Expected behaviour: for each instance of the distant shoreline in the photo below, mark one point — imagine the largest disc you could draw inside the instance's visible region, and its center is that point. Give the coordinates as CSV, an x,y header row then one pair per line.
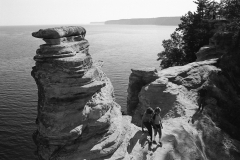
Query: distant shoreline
x,y
97,22
146,21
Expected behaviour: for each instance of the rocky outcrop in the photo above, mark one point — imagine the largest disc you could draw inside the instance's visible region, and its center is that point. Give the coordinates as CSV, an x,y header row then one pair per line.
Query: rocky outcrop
x,y
78,118
188,133
138,79
59,32
77,115
218,44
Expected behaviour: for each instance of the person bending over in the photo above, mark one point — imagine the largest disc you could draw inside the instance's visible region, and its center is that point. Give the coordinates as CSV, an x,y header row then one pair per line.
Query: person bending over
x,y
146,121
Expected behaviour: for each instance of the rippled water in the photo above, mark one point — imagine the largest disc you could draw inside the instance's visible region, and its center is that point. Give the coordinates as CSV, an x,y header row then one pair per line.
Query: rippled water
x,y
121,47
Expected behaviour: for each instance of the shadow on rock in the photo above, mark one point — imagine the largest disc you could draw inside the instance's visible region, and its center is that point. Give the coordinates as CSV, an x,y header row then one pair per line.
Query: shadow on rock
x,y
196,116
140,137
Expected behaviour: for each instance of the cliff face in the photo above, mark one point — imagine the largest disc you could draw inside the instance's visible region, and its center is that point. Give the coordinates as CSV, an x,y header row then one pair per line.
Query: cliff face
x,y
138,79
77,116
188,133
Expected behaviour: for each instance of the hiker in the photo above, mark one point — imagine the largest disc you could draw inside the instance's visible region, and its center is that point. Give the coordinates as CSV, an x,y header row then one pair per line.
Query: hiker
x,y
157,124
201,99
146,121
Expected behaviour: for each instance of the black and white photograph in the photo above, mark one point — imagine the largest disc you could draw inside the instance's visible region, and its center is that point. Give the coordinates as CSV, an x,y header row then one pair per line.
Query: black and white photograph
x,y
119,79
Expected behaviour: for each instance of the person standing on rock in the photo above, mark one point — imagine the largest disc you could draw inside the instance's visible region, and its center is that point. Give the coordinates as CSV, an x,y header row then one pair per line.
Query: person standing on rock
x,y
157,125
201,99
146,121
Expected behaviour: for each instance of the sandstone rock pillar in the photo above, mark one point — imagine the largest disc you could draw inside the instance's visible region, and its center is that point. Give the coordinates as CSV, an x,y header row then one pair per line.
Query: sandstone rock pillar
x,y
75,99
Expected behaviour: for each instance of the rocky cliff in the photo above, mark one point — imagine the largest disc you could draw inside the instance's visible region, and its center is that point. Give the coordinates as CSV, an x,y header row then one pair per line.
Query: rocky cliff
x,y
77,115
187,132
78,118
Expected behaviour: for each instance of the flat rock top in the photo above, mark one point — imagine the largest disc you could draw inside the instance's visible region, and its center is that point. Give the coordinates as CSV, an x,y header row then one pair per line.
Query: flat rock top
x,y
176,70
144,71
59,32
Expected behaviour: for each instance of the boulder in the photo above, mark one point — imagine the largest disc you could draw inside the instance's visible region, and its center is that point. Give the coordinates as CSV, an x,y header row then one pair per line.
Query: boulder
x,y
219,44
208,52
138,78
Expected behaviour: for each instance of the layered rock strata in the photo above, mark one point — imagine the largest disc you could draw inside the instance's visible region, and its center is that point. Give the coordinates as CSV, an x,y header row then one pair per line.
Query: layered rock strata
x,y
59,32
188,133
78,118
77,115
138,78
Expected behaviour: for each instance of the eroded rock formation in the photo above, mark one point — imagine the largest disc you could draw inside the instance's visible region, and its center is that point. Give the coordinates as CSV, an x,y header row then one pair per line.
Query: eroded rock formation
x,y
77,115
138,79
188,133
78,118
59,32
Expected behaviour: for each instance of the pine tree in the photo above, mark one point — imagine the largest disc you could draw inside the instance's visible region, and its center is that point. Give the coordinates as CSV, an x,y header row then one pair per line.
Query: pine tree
x,y
194,31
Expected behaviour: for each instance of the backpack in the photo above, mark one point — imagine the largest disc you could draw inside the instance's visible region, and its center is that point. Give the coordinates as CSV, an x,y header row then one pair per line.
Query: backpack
x,y
148,117
154,116
153,119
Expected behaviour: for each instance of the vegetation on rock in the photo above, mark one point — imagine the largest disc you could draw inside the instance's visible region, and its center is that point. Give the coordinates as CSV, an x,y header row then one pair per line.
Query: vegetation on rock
x,y
195,30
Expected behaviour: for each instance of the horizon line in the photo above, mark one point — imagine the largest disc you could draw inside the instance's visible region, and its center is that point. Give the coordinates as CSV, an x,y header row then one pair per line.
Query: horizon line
x,y
79,23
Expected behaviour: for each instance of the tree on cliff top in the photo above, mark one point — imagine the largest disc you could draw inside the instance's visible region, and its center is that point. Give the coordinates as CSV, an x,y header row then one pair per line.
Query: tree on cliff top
x,y
194,32
173,54
231,10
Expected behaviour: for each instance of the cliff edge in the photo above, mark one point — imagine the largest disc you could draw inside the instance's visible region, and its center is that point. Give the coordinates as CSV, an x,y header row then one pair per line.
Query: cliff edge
x,y
78,118
77,115
187,132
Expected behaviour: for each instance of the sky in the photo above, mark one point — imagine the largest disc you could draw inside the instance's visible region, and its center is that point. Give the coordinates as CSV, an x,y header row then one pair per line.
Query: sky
x,y
44,12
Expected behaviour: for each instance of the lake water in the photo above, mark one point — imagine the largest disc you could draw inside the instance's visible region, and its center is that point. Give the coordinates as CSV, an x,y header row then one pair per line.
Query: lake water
x,y
121,47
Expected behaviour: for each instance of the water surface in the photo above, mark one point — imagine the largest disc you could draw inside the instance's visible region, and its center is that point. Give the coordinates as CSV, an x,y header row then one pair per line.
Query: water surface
x,y
121,47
